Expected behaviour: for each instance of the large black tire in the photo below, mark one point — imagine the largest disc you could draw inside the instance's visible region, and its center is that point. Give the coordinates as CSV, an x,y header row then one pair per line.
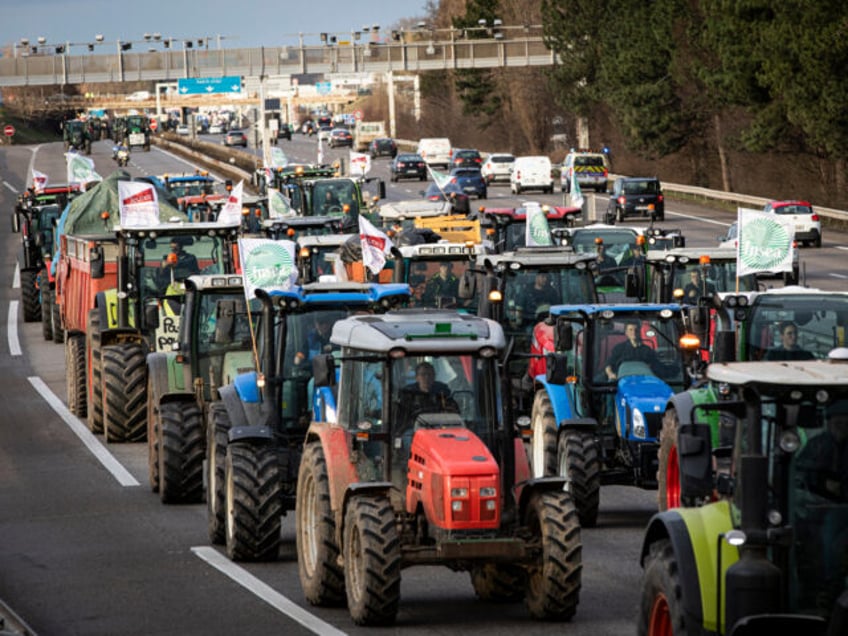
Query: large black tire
x,y
321,577
578,461
152,437
95,375
668,463
254,504
661,604
372,560
553,585
56,320
543,456
75,388
499,582
47,314
182,447
124,393
217,428
30,302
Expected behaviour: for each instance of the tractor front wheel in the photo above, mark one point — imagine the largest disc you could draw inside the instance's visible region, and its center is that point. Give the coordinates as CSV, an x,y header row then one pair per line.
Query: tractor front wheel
x,y
554,580
152,437
578,461
47,314
661,606
321,577
75,388
217,429
124,393
56,320
29,296
544,442
372,560
253,501
181,452
95,377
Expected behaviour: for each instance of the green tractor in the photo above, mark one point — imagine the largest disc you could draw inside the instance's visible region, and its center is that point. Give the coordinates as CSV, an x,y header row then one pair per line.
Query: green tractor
x,y
770,556
77,136
137,132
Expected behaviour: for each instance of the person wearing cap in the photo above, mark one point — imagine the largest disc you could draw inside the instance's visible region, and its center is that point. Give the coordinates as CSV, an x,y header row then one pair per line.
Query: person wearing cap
x,y
788,348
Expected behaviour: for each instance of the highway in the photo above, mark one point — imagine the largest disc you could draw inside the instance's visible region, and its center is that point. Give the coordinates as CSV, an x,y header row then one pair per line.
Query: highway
x,y
86,547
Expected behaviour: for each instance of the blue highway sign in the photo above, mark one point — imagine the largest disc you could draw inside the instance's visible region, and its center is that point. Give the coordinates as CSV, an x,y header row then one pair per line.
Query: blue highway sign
x,y
209,85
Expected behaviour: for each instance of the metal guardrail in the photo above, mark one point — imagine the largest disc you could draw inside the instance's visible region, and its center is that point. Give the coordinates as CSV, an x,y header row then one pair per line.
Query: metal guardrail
x,y
369,57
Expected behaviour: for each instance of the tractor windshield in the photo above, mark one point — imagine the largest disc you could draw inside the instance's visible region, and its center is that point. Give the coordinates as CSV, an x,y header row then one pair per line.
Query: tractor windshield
x,y
716,276
167,260
435,283
530,292
329,196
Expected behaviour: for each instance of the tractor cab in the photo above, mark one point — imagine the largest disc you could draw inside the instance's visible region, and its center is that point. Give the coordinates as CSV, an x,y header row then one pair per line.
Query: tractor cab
x,y
506,228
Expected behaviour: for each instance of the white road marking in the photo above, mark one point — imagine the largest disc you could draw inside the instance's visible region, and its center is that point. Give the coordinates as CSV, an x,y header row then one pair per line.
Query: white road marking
x,y
841,247
265,592
840,276
10,186
12,329
121,474
16,278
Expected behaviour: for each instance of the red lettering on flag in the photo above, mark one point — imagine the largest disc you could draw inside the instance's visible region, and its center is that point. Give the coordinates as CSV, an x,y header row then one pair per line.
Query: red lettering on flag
x,y
145,196
374,241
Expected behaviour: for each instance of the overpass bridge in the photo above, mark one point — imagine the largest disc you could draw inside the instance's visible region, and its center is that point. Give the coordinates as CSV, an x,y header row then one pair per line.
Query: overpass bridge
x,y
417,53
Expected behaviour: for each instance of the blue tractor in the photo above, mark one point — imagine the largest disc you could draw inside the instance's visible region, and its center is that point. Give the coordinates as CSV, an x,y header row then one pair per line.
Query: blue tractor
x,y
255,434
609,370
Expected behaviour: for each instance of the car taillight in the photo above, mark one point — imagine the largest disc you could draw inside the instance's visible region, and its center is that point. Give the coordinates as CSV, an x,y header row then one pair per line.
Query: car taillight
x,y
660,198
420,164
621,200
814,217
606,172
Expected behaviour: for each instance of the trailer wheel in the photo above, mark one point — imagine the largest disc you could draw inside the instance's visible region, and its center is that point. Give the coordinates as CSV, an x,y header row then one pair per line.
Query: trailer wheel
x,y
56,320
499,582
47,314
153,434
124,393
253,486
95,378
372,560
217,427
577,457
29,296
668,465
181,451
544,450
661,605
321,577
75,388
553,585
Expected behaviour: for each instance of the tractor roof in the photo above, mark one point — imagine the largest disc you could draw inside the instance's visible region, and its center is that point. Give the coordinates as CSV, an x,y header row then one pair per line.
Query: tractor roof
x,y
533,257
807,376
184,228
442,250
617,308
684,254
341,294
216,282
418,331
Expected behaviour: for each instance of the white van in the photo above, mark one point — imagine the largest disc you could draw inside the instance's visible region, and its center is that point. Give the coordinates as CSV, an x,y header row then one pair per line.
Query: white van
x,y
436,151
531,173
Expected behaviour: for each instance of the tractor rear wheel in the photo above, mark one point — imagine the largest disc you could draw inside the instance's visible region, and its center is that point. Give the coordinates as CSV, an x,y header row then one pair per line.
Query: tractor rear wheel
x,y
124,393
47,314
661,606
181,453
321,577
75,388
152,437
499,582
254,504
29,296
217,428
95,377
543,458
56,320
668,464
372,560
553,585
578,461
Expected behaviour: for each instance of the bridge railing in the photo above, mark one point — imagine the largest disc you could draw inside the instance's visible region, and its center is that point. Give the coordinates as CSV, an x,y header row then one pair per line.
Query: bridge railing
x,y
169,65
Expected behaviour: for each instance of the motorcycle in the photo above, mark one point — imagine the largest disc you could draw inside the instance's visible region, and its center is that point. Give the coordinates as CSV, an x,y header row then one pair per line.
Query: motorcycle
x,y
122,156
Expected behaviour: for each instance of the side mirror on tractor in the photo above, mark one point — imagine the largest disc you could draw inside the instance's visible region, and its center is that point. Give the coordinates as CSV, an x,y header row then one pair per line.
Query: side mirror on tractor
x,y
98,265
563,336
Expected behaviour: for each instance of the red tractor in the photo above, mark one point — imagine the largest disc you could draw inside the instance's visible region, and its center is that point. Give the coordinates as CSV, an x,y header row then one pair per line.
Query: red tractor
x,y
410,462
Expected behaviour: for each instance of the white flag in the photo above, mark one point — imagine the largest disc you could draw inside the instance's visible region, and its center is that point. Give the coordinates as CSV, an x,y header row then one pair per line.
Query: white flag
x,y
279,205
360,164
375,245
576,193
537,231
267,264
231,210
441,178
81,169
765,243
138,204
39,180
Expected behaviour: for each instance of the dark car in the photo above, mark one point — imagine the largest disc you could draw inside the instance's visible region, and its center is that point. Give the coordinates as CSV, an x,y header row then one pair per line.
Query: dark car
x,y
465,158
340,137
471,181
235,138
382,147
449,192
408,166
636,196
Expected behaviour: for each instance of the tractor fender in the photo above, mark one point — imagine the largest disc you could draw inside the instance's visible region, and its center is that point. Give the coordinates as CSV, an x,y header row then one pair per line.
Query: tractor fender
x,y
561,398
235,409
694,536
157,377
371,487
168,379
255,432
324,405
538,484
683,403
247,387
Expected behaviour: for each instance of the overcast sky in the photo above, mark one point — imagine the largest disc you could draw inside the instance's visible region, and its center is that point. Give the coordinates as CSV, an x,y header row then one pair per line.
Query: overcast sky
x,y
248,23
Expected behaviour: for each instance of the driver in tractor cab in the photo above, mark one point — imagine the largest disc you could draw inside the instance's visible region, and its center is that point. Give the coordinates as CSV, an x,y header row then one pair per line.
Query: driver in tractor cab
x,y
177,264
330,203
427,393
632,349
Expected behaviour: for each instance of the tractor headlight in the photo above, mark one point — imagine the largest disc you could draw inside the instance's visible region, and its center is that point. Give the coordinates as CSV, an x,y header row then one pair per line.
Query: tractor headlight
x,y
459,493
488,492
639,429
